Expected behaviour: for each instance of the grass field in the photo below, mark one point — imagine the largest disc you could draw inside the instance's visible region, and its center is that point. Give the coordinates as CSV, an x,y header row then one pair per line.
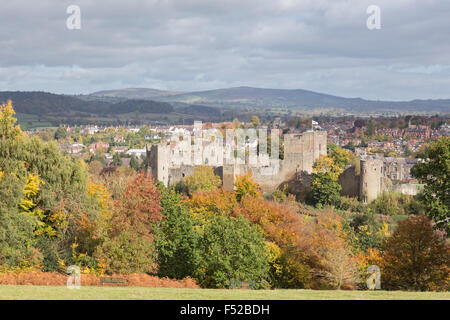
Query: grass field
x,y
136,293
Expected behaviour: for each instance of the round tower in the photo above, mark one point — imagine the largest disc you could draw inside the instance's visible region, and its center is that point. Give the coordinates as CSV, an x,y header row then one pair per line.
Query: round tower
x,y
371,179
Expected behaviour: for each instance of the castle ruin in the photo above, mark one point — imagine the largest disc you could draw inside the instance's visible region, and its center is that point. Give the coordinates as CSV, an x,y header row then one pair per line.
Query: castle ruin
x,y
172,161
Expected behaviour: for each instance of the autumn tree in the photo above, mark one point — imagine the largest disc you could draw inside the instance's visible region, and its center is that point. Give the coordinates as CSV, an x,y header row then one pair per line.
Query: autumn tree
x,y
244,186
130,243
56,199
416,257
203,179
325,244
255,121
340,156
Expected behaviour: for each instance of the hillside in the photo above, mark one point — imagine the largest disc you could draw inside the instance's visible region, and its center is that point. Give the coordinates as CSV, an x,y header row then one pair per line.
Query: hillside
x,y
301,99
43,103
135,93
212,105
140,106
273,98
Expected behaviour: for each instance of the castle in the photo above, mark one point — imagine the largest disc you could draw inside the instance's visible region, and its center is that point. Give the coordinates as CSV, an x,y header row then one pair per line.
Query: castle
x,y
380,174
173,161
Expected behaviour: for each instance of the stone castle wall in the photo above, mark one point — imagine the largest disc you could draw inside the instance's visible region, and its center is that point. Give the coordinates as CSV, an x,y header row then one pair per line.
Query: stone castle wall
x,y
300,152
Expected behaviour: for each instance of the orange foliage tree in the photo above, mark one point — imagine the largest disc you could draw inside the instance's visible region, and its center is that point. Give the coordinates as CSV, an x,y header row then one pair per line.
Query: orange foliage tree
x,y
416,257
129,246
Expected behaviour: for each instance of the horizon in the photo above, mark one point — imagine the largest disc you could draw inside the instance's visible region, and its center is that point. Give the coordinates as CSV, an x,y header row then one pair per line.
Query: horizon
x,y
216,89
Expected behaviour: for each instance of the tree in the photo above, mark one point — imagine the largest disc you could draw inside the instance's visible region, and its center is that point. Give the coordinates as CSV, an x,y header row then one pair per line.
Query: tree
x,y
95,167
244,186
278,222
416,257
129,246
325,246
435,173
134,164
255,121
325,187
340,156
203,179
61,133
207,205
232,249
56,199
117,159
370,130
177,240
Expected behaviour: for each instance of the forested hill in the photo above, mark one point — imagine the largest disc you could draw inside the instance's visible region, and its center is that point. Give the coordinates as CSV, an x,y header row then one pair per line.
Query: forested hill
x,y
43,103
301,99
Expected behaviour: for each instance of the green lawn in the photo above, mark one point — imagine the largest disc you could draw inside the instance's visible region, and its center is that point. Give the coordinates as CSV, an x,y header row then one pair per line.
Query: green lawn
x,y
126,293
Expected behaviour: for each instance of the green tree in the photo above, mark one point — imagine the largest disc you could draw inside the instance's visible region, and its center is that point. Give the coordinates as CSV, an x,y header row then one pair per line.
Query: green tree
x,y
58,199
61,133
232,249
117,159
134,164
177,240
325,188
435,173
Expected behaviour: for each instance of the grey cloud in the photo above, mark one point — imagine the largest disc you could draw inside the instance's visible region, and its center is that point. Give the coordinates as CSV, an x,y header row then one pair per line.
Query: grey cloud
x,y
320,45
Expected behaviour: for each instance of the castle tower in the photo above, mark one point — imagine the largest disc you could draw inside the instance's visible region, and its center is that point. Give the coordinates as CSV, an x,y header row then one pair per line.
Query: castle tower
x,y
158,160
371,179
303,149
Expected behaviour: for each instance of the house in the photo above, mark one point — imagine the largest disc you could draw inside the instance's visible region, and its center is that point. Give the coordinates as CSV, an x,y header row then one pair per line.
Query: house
x,y
137,152
102,146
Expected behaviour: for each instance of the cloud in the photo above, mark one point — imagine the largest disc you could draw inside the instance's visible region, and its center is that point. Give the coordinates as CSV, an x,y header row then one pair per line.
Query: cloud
x,y
205,44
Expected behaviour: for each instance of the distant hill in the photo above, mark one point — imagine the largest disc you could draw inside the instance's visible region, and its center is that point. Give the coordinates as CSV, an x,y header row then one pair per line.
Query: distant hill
x,y
43,103
209,105
199,110
140,106
301,99
135,93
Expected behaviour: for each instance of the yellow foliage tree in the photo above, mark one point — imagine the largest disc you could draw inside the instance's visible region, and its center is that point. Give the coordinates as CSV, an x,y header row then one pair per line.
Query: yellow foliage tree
x,y
8,129
28,205
203,179
244,186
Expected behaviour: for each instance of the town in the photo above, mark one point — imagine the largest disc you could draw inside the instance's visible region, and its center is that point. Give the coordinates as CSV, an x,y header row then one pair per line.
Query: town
x,y
393,145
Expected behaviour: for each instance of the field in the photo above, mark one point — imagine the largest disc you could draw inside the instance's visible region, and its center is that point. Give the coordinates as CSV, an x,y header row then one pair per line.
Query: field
x,y
140,293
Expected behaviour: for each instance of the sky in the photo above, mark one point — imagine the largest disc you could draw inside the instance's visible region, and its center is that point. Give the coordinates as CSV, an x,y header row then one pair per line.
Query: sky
x,y
195,45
